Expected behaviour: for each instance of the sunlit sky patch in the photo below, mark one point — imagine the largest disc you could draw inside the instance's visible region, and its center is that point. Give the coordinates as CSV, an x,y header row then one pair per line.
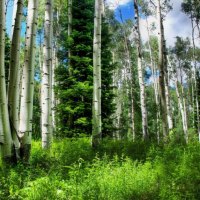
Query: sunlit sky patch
x,y
176,23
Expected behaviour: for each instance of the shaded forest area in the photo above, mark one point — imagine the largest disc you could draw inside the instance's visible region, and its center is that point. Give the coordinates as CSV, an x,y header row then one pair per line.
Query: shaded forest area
x,y
91,108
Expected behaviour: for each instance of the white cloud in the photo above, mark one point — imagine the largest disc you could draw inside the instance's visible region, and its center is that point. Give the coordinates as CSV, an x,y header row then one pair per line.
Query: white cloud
x,y
176,24
114,4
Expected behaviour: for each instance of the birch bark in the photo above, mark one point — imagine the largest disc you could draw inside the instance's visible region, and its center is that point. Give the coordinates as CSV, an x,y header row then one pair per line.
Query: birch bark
x,y
97,124
46,95
166,81
140,75
5,125
161,68
128,77
182,109
181,101
26,104
155,83
14,76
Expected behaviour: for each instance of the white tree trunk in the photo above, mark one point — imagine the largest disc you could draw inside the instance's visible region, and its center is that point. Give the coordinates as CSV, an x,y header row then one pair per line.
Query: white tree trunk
x,y
46,95
5,123
14,75
161,68
26,104
166,81
167,93
128,77
140,74
153,67
181,101
97,124
155,83
182,110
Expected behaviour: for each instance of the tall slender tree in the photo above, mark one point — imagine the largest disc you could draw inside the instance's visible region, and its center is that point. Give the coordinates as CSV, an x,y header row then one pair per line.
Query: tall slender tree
x,y
4,119
97,123
161,67
180,97
14,75
140,73
26,104
46,94
128,67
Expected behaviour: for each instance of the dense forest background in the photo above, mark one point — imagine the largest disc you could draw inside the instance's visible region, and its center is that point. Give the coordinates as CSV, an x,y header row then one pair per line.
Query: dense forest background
x,y
89,109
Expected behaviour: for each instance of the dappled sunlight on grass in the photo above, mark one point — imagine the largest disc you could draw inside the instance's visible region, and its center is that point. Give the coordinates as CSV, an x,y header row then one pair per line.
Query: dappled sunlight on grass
x,y
73,170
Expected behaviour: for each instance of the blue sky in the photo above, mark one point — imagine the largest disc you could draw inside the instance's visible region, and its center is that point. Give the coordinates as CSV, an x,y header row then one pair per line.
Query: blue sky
x,y
176,23
9,18
127,11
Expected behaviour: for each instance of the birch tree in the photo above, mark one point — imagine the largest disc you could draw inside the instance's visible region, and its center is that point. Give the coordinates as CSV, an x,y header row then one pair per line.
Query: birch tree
x,y
14,74
140,73
46,95
161,68
26,104
166,80
181,99
4,119
155,81
128,75
96,116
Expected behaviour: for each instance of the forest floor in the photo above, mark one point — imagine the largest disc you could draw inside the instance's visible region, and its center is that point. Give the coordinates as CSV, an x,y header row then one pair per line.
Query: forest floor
x,y
117,170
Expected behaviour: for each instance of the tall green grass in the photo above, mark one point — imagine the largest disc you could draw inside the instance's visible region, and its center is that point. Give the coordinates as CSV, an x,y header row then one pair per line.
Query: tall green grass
x,y
117,170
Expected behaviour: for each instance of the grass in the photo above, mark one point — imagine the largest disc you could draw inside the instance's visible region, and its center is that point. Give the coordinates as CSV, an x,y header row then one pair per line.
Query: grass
x,y
117,170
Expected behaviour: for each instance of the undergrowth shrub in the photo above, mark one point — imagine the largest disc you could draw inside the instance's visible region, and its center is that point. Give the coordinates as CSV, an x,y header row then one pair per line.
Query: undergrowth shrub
x,y
117,170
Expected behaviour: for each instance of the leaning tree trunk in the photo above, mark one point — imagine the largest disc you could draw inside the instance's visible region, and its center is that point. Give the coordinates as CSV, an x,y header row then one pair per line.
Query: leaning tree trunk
x,y
96,115
26,106
140,74
161,68
14,76
6,132
46,95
